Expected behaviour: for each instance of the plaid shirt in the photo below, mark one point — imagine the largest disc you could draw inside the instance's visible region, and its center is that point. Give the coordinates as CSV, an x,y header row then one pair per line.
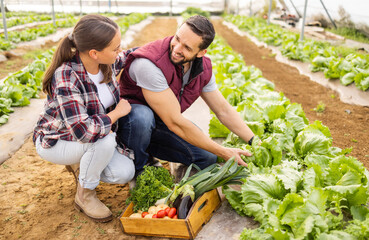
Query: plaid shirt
x,y
74,111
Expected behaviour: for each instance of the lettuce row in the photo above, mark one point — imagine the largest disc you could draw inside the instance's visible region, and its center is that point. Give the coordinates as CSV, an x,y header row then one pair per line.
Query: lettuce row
x,y
300,187
336,62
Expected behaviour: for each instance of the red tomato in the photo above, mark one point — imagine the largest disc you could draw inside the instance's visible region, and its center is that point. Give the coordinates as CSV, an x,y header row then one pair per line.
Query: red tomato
x,y
144,214
167,211
175,216
160,214
172,212
154,216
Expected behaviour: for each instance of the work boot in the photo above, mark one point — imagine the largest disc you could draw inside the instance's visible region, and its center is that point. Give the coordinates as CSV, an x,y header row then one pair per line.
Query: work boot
x,y
152,161
87,202
74,169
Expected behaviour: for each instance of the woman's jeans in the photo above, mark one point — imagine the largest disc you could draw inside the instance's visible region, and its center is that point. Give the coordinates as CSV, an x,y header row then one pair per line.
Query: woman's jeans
x,y
146,134
98,161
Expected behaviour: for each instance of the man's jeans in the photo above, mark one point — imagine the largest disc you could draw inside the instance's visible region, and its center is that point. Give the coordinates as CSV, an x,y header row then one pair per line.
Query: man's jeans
x,y
147,135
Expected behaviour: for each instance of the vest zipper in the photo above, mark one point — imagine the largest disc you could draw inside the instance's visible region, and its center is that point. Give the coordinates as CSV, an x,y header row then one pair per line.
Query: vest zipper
x,y
180,94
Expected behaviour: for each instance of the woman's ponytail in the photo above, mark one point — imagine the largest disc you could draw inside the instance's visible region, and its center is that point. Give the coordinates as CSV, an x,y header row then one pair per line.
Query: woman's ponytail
x,y
64,52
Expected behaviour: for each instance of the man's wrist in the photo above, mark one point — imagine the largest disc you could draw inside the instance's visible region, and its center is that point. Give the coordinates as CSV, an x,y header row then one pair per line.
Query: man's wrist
x,y
250,141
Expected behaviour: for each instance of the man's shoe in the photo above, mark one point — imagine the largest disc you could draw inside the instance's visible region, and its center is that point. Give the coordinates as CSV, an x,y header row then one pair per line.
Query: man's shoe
x,y
87,202
152,161
74,169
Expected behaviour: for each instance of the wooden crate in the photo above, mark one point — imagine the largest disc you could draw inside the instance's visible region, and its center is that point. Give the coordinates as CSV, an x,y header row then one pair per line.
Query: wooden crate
x,y
199,214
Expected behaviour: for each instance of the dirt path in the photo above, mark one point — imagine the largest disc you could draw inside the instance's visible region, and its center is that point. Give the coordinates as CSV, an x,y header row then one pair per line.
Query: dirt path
x,y
37,197
348,123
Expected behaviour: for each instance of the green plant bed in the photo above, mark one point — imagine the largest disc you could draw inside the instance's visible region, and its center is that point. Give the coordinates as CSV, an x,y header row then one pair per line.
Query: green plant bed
x,y
300,186
350,33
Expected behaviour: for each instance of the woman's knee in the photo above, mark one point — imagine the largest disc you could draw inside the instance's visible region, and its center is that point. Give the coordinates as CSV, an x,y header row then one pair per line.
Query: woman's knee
x,y
124,171
107,143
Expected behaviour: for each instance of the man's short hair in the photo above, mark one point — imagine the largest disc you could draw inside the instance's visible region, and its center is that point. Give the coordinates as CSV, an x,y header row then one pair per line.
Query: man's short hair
x,y
201,26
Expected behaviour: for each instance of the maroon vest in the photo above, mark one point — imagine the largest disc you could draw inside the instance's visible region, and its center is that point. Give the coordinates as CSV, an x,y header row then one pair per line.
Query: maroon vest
x,y
158,53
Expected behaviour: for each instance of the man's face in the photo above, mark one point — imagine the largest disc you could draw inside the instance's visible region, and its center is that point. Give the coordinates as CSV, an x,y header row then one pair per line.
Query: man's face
x,y
184,46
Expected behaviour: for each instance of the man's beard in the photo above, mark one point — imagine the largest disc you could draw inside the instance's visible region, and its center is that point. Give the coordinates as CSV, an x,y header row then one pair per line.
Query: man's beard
x,y
185,60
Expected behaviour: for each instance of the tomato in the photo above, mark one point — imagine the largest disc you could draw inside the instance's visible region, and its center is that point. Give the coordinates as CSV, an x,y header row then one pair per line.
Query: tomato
x,y
172,212
144,214
161,214
167,211
175,216
154,216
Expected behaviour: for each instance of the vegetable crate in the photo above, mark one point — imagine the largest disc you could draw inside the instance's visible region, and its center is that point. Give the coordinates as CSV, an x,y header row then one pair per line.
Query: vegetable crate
x,y
199,214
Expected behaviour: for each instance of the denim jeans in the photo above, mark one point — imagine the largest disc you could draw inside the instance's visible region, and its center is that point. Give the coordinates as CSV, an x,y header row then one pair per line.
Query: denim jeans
x,y
98,161
146,134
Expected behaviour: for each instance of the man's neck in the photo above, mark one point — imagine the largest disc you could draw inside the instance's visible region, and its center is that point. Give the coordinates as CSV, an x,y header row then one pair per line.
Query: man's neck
x,y
186,66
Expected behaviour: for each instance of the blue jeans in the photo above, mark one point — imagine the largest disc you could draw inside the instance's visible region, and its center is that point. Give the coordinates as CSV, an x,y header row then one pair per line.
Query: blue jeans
x,y
144,132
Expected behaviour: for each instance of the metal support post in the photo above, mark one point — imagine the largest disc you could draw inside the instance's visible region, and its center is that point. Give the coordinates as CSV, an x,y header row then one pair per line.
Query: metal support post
x,y
334,24
53,12
270,10
171,8
250,8
293,5
303,22
80,7
109,5
4,19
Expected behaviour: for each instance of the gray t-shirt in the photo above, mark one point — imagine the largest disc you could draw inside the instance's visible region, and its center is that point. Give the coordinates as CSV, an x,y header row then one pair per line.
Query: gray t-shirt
x,y
148,76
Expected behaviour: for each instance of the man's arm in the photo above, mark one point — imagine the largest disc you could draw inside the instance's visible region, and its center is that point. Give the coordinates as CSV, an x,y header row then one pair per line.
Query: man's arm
x,y
166,105
227,115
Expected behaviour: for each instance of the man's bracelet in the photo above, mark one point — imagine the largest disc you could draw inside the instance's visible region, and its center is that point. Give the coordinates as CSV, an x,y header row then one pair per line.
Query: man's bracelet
x,y
250,141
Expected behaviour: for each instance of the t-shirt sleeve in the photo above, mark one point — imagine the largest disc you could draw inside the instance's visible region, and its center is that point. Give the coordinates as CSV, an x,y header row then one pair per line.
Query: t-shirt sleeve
x,y
211,86
147,75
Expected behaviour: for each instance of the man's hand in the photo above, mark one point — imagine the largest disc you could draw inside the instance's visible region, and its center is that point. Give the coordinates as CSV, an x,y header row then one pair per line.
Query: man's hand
x,y
235,152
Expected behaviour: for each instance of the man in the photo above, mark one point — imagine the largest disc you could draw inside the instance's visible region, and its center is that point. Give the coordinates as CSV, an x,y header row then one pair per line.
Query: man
x,y
161,80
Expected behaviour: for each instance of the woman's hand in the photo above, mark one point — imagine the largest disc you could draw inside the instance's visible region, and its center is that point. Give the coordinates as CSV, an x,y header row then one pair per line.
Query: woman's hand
x,y
122,109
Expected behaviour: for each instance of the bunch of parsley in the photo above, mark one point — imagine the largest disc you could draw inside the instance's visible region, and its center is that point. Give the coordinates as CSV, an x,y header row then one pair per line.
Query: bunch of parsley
x,y
151,185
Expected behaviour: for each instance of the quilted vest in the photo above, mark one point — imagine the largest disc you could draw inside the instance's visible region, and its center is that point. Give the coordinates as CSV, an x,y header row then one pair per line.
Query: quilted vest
x,y
158,53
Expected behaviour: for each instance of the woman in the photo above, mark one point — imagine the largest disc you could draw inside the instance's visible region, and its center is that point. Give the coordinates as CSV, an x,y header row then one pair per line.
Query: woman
x,y
79,120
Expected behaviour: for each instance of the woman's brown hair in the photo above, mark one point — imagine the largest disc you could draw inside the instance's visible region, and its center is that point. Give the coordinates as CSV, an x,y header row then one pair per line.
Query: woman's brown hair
x,y
91,32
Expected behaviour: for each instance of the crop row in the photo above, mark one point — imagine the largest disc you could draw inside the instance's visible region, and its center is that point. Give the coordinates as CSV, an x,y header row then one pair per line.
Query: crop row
x,y
11,22
335,61
15,37
300,186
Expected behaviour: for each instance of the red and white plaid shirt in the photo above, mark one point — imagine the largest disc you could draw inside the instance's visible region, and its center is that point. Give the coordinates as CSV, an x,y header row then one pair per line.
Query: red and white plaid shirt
x,y
74,111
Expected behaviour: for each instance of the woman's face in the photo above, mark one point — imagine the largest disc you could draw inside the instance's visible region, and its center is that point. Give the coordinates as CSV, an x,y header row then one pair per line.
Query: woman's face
x,y
110,53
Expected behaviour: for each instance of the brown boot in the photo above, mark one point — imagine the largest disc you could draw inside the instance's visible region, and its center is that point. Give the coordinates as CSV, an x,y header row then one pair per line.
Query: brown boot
x,y
74,169
87,202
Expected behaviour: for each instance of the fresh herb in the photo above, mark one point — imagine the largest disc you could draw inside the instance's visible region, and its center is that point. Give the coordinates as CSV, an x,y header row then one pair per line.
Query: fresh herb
x,y
153,184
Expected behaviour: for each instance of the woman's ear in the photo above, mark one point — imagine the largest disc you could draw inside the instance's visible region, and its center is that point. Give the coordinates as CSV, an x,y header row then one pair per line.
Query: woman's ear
x,y
93,54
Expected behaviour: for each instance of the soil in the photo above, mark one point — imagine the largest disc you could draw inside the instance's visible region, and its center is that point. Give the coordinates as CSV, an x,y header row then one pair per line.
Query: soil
x,y
37,196
17,60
